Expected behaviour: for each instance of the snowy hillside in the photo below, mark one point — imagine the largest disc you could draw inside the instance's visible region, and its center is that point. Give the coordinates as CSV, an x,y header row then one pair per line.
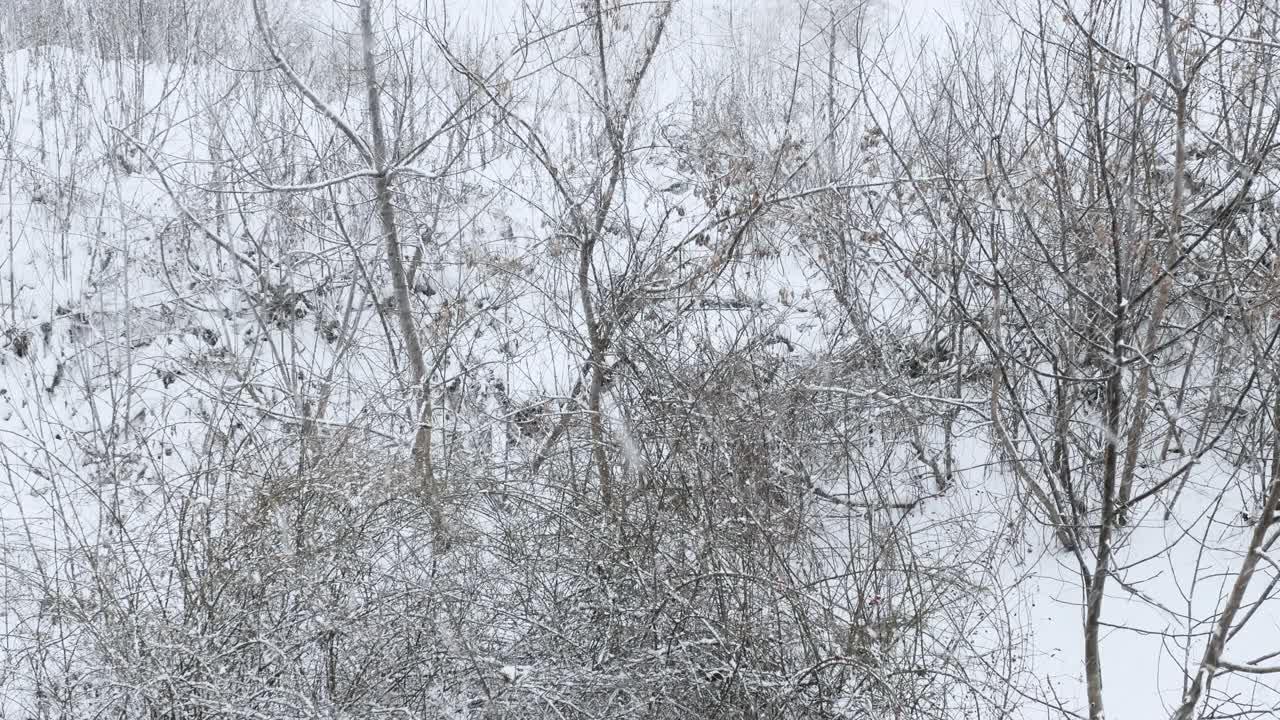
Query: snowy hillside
x,y
612,360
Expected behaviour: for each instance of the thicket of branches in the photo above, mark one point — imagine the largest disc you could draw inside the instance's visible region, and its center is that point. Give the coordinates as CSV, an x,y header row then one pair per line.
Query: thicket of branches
x,y
400,369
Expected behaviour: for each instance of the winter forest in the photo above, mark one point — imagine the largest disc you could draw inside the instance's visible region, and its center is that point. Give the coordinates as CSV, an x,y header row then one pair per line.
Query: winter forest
x,y
623,359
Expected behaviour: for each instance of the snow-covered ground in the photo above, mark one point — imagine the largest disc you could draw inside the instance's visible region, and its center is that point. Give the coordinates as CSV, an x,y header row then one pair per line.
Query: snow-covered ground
x,y
136,352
